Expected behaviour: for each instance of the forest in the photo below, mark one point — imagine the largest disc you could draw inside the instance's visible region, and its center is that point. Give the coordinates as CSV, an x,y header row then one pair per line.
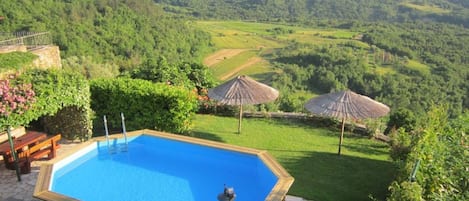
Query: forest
x,y
440,47
108,36
452,11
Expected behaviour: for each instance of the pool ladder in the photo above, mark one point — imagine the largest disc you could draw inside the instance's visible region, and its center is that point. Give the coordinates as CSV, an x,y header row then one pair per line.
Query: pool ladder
x,y
123,147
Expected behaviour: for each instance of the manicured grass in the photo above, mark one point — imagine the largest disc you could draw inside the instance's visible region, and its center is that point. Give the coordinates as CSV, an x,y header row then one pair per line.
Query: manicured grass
x,y
309,154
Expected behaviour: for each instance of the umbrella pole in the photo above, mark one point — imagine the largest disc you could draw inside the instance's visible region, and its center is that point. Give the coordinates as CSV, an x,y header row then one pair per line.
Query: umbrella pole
x,y
13,153
341,135
240,118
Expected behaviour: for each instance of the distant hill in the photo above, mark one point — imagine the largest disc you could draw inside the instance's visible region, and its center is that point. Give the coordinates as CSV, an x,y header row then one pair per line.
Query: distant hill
x,y
448,11
124,33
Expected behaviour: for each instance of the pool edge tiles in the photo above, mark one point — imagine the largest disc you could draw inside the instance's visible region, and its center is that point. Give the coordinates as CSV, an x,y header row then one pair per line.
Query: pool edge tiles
x,y
277,193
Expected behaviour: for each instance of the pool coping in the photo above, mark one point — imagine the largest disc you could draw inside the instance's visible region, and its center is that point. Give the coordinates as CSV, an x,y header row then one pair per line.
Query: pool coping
x,y
278,192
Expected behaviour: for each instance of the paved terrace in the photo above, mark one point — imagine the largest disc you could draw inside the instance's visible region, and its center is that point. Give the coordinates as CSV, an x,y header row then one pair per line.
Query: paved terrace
x,y
12,190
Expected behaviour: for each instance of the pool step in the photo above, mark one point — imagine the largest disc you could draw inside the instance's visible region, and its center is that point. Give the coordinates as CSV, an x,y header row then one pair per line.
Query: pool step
x,y
124,147
118,148
112,149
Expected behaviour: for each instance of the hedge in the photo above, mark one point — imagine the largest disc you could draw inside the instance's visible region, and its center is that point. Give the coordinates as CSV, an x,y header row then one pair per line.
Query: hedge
x,y
62,103
144,104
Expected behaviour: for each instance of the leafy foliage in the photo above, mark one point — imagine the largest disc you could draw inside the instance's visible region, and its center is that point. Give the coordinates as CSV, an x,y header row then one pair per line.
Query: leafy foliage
x,y
144,104
401,143
89,68
440,146
53,92
406,191
402,118
124,33
58,91
454,11
189,75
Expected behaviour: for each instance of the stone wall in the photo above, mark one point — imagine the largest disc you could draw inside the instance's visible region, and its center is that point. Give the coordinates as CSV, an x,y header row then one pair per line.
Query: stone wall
x,y
49,57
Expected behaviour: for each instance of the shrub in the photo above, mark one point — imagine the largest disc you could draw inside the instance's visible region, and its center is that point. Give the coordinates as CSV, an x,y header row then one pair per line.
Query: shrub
x,y
405,191
440,146
144,104
213,107
403,118
55,91
400,145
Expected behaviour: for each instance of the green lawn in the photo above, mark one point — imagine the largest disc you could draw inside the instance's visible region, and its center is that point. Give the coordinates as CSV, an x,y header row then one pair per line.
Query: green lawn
x,y
309,154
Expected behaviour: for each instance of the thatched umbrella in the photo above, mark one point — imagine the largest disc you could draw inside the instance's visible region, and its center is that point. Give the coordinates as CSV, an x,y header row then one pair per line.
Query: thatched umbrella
x,y
346,105
242,90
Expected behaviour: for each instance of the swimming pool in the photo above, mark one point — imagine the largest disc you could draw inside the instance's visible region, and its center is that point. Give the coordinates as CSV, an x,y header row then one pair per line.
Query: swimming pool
x,y
159,166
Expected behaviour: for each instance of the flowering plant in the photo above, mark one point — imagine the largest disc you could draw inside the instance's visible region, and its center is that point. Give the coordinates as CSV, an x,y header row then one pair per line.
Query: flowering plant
x,y
15,98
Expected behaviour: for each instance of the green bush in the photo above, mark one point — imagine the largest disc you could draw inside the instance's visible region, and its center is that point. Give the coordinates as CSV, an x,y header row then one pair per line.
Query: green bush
x,y
440,145
405,191
144,104
400,144
56,90
70,122
402,118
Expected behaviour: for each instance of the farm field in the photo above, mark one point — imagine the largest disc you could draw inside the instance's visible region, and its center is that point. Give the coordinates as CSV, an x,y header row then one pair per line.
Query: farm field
x,y
245,47
309,154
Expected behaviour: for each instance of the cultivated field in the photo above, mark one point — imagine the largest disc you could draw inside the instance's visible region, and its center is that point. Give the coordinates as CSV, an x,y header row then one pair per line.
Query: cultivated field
x,y
245,47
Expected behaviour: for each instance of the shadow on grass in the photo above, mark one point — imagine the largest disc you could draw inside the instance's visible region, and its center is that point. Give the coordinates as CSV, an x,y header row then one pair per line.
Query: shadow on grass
x,y
206,136
296,123
367,149
326,176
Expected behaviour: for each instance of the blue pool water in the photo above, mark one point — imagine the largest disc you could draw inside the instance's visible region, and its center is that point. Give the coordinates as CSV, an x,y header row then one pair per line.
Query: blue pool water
x,y
160,169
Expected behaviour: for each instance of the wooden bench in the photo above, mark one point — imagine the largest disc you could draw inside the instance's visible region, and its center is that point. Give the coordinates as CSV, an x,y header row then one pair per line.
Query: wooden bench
x,y
20,144
47,147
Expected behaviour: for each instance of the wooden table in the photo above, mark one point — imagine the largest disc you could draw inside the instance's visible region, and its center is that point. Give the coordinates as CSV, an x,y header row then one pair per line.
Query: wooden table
x,y
21,143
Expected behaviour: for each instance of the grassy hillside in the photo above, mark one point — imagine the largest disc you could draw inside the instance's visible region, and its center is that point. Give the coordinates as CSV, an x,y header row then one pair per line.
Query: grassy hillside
x,y
239,43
